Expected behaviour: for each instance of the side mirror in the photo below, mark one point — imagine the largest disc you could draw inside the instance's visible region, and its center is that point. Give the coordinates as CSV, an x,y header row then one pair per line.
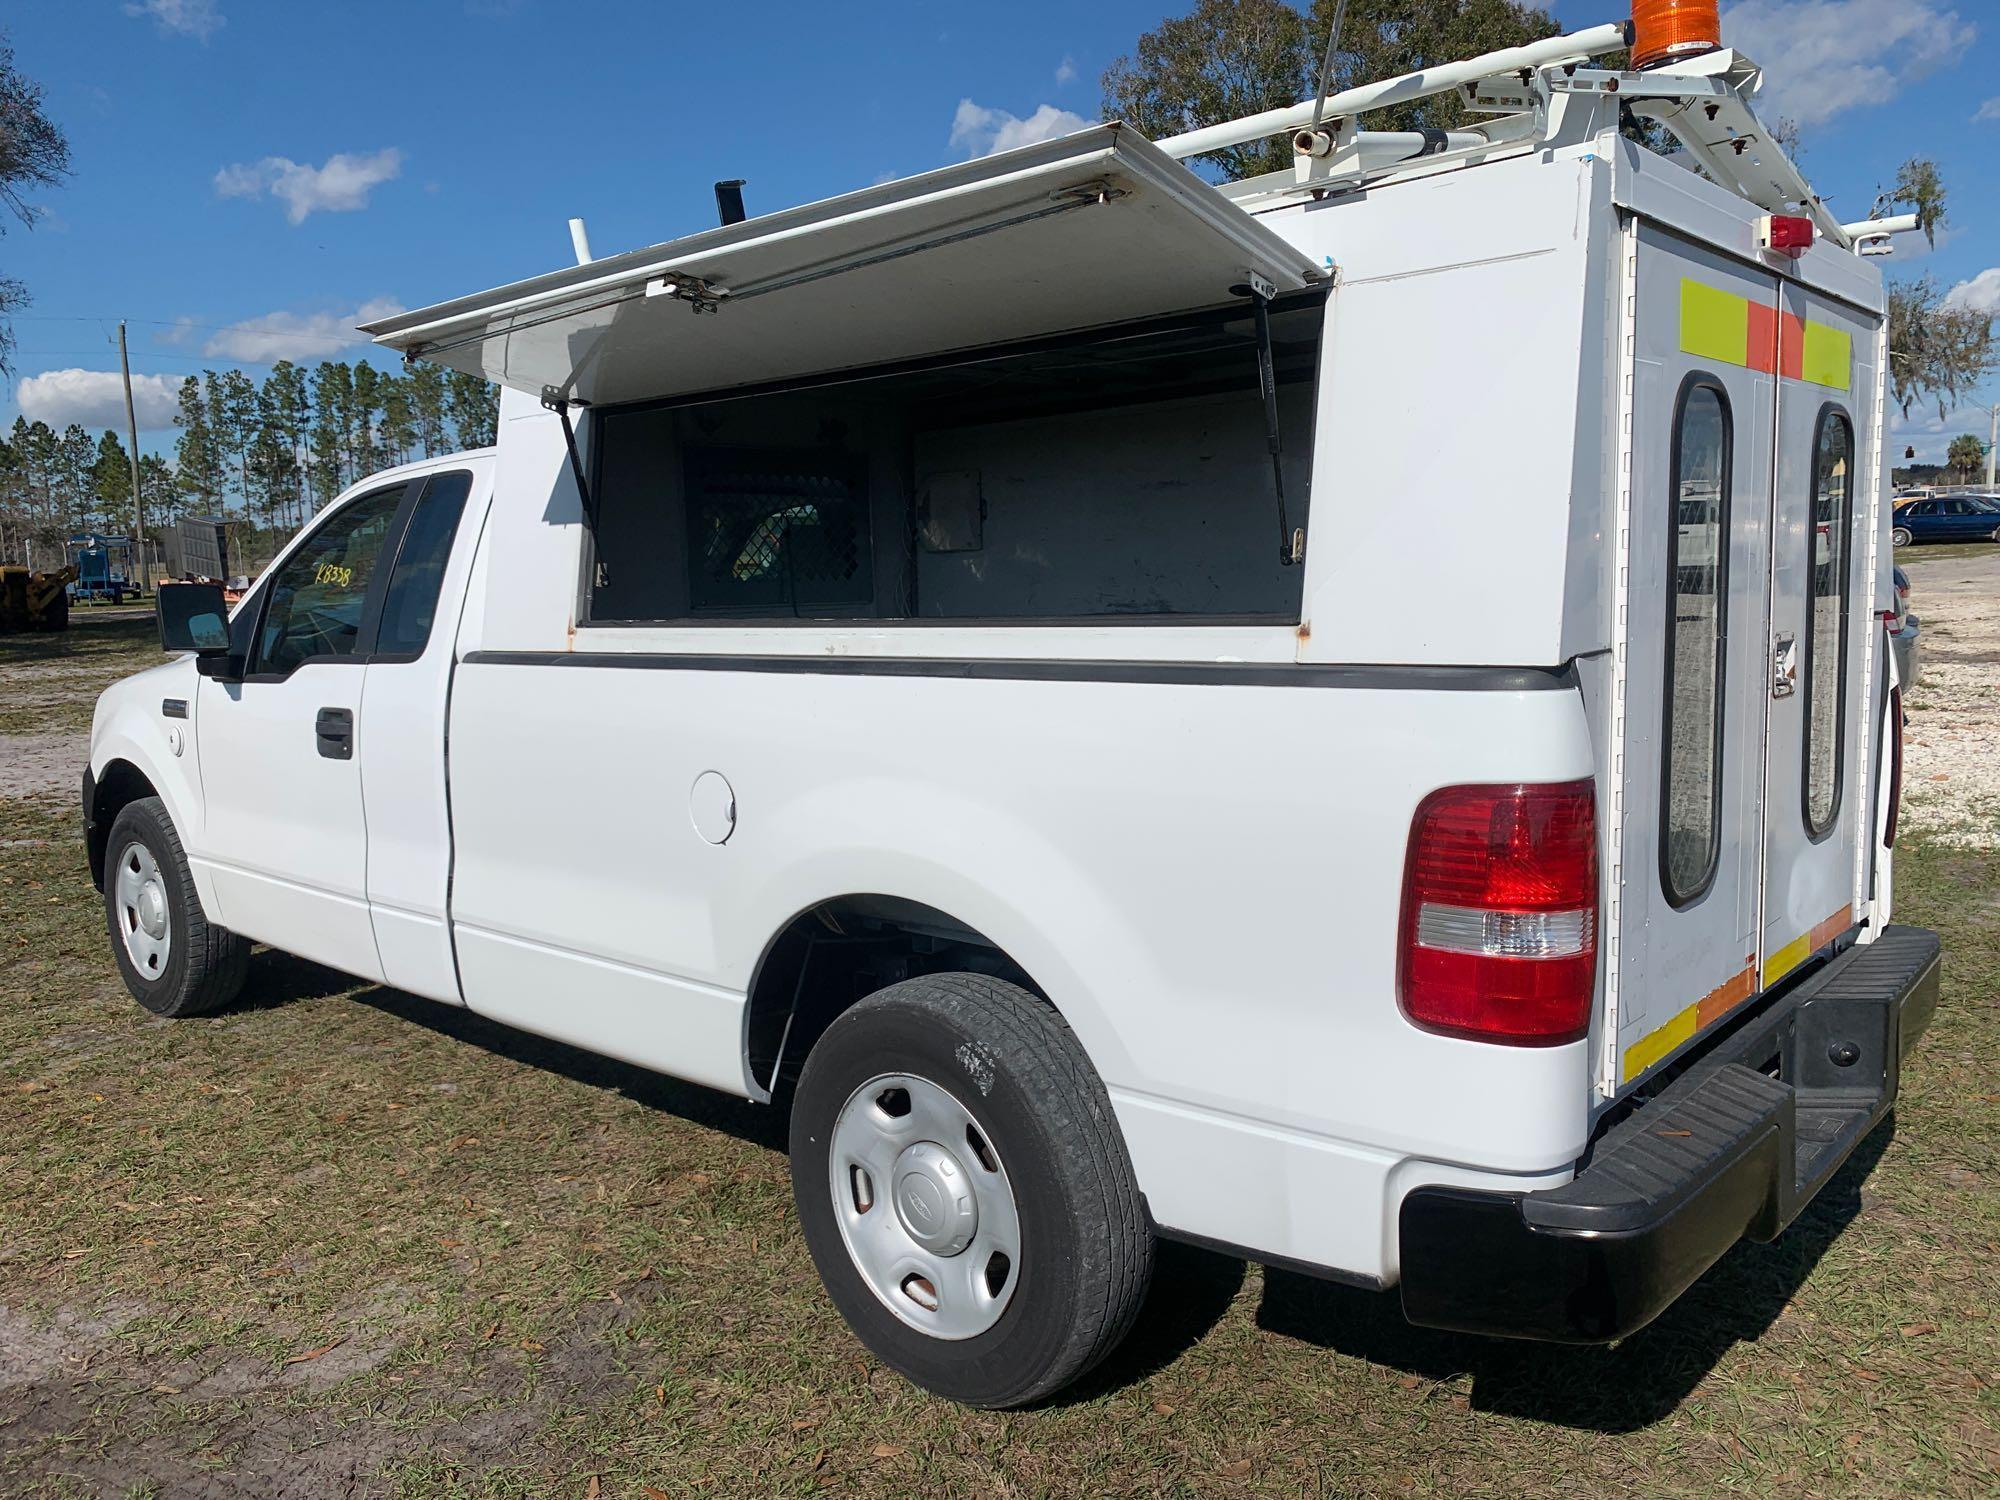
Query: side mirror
x,y
193,617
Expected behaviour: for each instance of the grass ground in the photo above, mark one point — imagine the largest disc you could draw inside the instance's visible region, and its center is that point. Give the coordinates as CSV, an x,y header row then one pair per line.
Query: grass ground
x,y
340,1240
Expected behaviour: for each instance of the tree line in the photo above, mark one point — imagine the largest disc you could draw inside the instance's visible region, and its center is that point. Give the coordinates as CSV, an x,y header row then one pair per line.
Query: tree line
x,y
264,456
274,453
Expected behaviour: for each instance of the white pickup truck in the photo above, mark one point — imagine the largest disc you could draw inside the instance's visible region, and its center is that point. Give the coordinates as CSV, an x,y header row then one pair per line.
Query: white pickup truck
x,y
1051,670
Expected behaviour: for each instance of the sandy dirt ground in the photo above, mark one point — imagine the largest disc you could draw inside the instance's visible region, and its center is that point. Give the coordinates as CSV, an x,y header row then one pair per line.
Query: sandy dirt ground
x,y
1951,779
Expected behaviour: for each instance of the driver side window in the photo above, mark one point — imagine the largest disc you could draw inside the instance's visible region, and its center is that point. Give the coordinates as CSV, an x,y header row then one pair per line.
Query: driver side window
x,y
317,599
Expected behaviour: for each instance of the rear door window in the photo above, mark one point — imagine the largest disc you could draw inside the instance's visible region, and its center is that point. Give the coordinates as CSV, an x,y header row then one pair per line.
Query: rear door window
x,y
1691,747
1824,667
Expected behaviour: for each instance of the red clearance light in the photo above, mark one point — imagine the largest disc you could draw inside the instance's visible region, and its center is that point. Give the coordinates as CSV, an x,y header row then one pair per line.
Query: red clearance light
x,y
1499,925
1663,30
1787,233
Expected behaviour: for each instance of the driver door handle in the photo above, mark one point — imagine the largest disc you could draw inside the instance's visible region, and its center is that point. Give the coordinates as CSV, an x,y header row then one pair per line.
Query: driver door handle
x,y
334,730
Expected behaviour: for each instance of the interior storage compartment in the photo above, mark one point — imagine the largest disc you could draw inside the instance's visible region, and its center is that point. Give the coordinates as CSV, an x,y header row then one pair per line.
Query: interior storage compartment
x,y
1123,472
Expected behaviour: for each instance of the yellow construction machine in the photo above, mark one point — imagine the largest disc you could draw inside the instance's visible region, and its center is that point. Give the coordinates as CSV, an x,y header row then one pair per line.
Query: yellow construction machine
x,y
34,601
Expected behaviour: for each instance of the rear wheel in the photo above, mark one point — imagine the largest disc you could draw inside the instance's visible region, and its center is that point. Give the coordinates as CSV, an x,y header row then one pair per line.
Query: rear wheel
x,y
965,1191
1900,537
173,959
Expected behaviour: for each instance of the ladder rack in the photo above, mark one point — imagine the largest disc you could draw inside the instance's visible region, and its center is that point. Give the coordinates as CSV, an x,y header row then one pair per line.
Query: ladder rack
x,y
1535,97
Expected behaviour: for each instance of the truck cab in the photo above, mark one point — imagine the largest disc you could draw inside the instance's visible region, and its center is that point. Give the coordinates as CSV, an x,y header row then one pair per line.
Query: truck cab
x,y
899,663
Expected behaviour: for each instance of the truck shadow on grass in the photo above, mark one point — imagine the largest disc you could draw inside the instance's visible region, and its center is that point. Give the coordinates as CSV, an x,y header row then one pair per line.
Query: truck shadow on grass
x,y
1617,1389
1610,1390
1191,1291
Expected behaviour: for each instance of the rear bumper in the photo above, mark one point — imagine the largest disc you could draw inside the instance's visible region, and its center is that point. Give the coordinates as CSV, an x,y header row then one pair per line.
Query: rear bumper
x,y
1736,1146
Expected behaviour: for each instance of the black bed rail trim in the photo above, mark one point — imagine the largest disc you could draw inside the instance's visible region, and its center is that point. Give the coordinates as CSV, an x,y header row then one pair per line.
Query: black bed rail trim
x,y
1018,669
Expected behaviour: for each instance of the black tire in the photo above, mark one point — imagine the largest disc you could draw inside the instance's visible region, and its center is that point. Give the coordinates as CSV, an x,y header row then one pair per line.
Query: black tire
x,y
1900,537
205,964
1086,1243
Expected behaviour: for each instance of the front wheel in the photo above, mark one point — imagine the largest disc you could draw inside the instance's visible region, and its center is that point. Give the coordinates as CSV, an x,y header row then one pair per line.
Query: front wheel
x,y
1900,537
965,1191
172,958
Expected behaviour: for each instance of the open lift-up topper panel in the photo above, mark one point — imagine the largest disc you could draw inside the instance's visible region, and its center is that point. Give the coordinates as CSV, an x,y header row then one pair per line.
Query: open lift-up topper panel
x,y
1095,228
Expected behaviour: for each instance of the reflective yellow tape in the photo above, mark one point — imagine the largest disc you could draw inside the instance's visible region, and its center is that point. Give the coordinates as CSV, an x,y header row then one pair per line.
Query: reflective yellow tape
x,y
1655,1045
1787,958
1714,324
1829,356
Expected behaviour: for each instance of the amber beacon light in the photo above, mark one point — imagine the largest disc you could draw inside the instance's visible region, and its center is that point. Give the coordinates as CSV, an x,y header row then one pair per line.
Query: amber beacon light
x,y
1664,30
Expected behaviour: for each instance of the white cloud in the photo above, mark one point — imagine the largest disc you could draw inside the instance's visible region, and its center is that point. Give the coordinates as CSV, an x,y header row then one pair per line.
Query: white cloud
x,y
340,186
196,18
1066,70
1990,110
1837,55
96,399
981,131
178,332
296,336
1981,294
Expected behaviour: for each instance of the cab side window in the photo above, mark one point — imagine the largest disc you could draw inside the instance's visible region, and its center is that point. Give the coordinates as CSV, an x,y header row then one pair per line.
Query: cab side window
x,y
317,599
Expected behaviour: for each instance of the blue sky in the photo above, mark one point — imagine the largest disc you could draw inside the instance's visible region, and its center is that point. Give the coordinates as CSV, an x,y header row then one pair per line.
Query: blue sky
x,y
250,175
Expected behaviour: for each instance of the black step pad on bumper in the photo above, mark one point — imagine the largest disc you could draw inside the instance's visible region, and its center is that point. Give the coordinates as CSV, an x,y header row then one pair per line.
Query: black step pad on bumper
x,y
1736,1145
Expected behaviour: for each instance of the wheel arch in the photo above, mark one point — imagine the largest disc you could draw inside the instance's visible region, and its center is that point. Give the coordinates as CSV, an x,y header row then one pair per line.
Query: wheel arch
x,y
837,951
107,793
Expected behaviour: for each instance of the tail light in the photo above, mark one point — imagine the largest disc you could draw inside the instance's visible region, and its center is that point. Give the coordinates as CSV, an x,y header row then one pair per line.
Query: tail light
x,y
1663,30
1499,922
1895,767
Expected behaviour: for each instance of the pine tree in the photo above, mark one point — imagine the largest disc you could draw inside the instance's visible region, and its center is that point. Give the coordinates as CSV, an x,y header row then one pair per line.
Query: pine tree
x,y
285,407
111,481
76,506
332,395
399,424
365,386
198,463
473,404
426,382
233,415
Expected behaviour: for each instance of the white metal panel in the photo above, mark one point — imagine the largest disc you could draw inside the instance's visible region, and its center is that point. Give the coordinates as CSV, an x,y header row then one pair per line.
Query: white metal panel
x,y
1201,876
129,726
1096,227
1447,466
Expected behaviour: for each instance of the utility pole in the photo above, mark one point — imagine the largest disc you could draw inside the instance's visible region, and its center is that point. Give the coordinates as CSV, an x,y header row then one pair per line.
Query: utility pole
x,y
1992,441
132,436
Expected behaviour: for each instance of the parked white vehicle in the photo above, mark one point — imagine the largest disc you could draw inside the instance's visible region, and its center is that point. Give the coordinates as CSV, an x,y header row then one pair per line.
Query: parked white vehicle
x,y
899,658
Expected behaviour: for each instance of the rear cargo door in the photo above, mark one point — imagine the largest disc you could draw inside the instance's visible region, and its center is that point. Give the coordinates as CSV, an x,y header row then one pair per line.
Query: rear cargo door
x,y
1822,643
1703,410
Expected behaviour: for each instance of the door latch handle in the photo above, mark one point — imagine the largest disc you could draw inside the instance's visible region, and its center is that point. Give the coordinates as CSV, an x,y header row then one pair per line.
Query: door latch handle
x,y
334,732
1785,666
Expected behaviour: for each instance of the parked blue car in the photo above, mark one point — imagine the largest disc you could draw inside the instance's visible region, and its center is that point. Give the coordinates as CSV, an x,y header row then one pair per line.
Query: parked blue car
x,y
1947,518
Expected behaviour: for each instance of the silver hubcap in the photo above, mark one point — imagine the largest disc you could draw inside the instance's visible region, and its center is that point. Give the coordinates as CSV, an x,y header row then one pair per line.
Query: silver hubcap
x,y
140,893
924,1206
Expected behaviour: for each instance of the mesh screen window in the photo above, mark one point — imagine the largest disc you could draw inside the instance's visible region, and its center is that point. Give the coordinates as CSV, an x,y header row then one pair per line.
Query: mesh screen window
x,y
776,533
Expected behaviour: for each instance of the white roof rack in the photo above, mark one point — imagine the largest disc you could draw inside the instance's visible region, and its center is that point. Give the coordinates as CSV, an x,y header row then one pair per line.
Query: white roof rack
x,y
1541,95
